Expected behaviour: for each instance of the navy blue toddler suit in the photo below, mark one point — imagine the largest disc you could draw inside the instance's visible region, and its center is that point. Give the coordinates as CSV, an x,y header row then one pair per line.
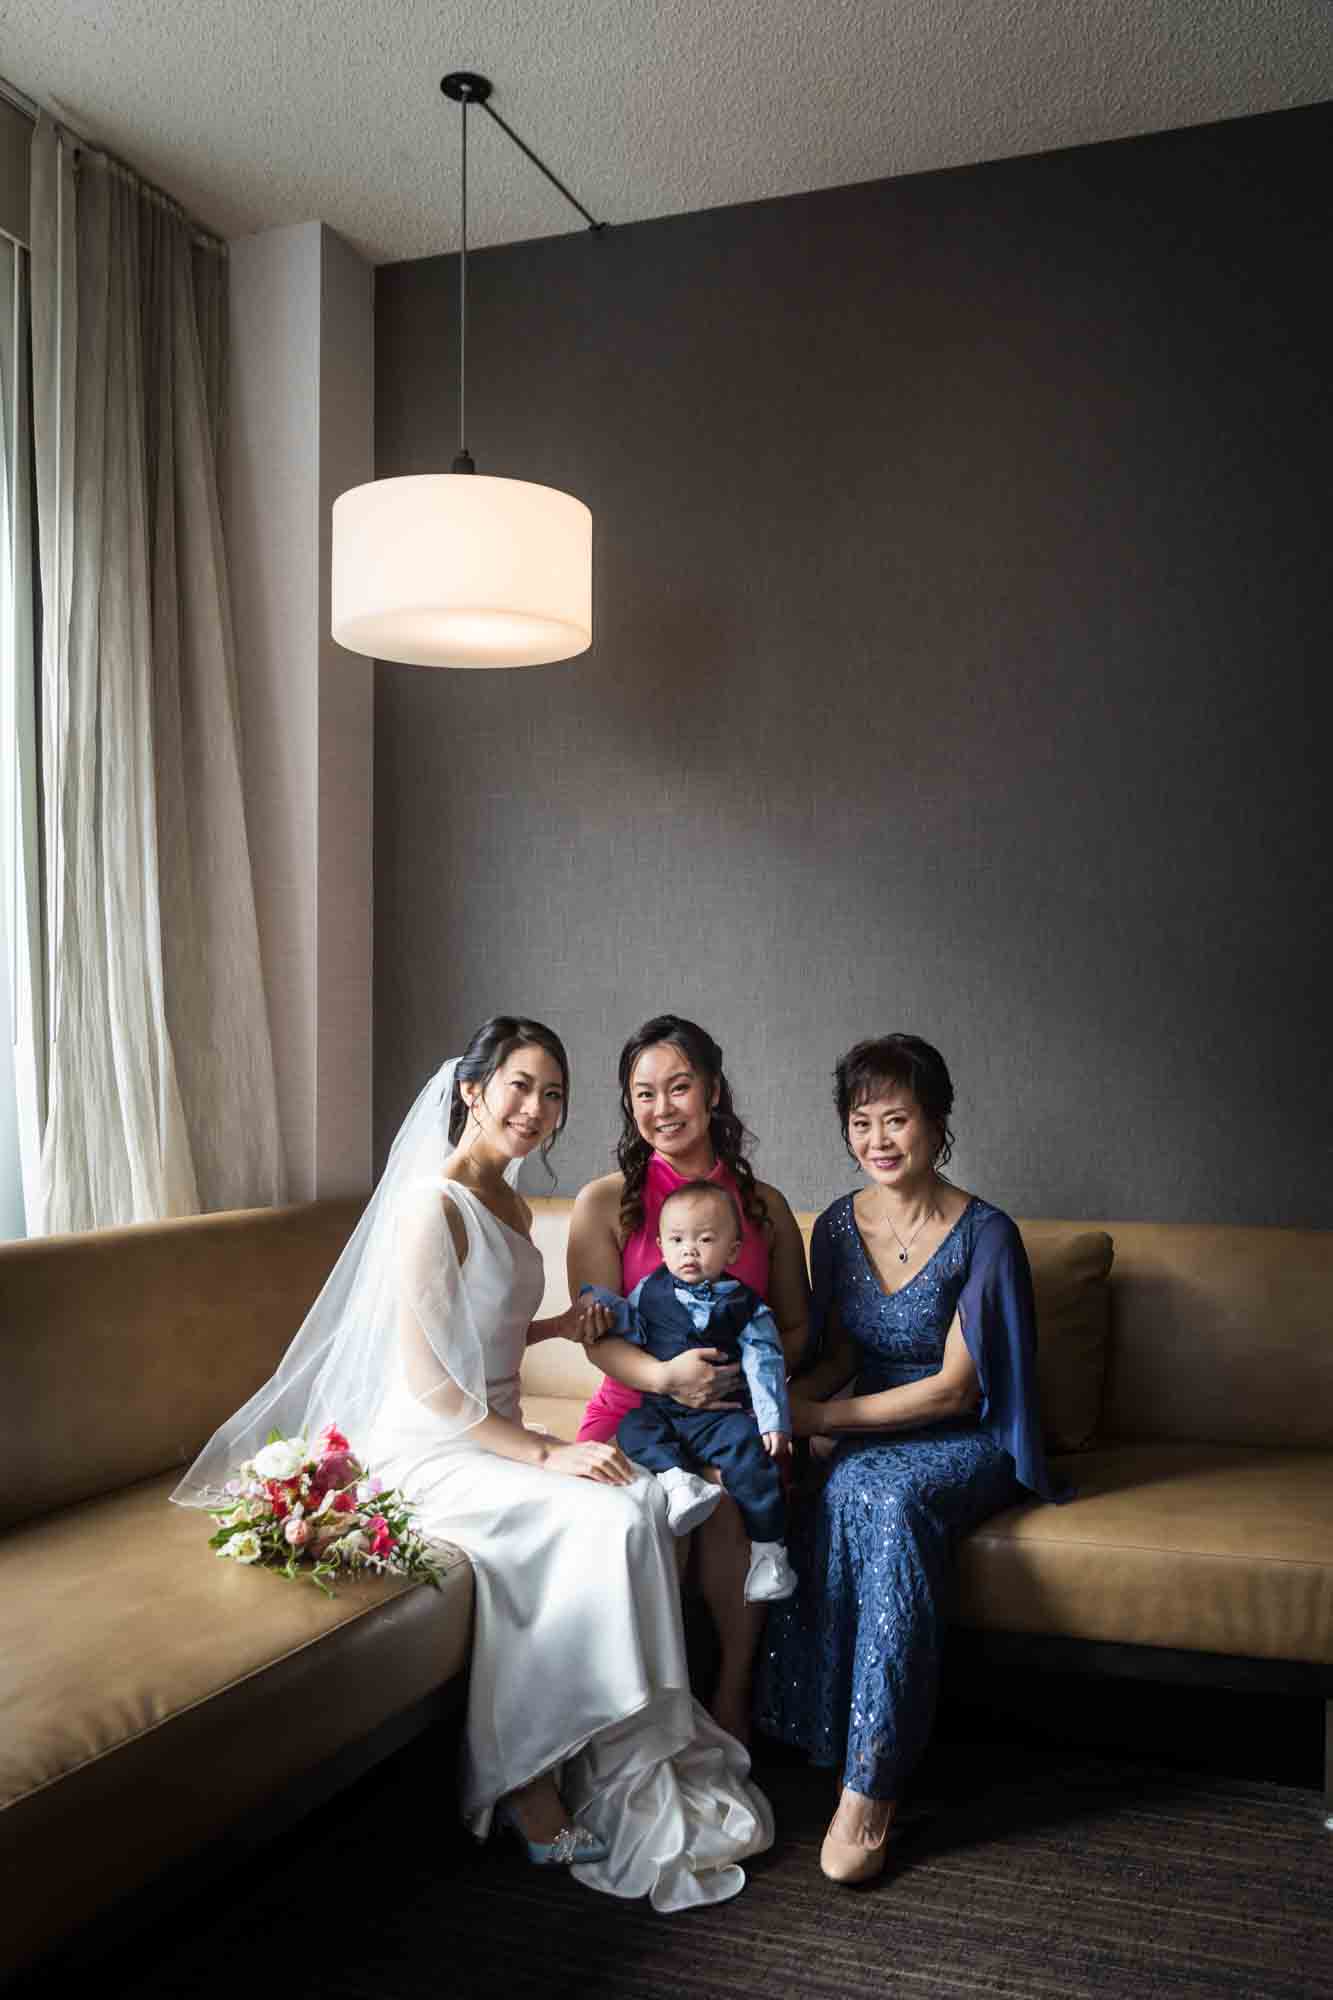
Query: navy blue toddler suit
x,y
665,1316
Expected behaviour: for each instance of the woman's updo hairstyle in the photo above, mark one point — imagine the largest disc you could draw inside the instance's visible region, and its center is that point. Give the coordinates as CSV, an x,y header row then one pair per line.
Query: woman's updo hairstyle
x,y
903,1062
726,1133
488,1051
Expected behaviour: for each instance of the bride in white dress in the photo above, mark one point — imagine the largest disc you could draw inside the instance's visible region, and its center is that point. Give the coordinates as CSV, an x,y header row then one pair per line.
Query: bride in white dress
x,y
580,1725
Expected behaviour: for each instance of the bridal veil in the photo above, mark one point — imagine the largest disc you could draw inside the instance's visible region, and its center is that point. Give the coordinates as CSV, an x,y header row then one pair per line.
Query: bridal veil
x,y
396,1291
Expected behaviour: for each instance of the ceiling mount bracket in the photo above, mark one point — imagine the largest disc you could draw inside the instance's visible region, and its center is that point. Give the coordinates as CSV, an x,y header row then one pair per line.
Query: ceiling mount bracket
x,y
464,86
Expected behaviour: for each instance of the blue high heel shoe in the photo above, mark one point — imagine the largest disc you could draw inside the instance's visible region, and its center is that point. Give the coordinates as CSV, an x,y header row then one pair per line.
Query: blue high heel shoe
x,y
573,1846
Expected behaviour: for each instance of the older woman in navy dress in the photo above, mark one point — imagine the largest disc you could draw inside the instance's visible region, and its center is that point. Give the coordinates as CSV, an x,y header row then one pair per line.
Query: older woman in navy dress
x,y
923,1307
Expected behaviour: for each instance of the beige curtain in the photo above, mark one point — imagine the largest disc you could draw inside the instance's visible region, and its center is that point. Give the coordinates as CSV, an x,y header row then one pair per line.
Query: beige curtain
x,y
160,1091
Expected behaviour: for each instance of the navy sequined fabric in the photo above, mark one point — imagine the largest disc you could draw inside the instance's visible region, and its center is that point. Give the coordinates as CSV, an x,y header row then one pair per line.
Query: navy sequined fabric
x,y
849,1667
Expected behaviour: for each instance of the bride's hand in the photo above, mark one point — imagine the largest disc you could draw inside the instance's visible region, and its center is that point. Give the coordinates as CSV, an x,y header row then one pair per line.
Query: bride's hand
x,y
702,1378
605,1463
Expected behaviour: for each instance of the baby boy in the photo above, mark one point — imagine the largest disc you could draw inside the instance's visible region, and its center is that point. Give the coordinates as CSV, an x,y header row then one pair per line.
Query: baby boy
x,y
688,1302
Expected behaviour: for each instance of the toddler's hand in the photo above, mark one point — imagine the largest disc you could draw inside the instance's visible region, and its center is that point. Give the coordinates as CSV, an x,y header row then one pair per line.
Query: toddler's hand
x,y
777,1444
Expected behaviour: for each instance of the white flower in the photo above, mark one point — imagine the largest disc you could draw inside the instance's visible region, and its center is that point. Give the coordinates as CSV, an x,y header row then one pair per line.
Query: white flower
x,y
244,1548
282,1459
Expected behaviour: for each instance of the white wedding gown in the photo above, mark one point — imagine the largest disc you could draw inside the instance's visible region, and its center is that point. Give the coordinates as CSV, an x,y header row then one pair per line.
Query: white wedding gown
x,y
578,1658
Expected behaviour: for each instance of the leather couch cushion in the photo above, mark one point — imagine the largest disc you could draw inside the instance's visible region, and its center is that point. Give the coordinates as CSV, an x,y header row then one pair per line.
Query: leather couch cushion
x,y
1205,1548
1070,1268
559,1368
132,1621
560,1415
1217,1549
158,1693
145,1339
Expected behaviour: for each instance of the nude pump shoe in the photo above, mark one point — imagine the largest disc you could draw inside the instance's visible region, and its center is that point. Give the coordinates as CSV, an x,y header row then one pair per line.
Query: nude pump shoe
x,y
850,1861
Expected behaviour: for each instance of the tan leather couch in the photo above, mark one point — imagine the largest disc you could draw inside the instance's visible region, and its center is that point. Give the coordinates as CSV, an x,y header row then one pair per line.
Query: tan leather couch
x,y
152,1697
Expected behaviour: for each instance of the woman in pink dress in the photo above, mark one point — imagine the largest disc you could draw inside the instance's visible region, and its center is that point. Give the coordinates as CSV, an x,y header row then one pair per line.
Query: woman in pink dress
x,y
679,1124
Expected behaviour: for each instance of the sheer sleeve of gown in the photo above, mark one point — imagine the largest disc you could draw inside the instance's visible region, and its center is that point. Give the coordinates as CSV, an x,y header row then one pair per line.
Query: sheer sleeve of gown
x,y
1000,1327
440,1346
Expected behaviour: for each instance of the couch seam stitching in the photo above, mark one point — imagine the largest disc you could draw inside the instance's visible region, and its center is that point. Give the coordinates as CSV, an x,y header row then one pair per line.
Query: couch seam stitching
x,y
1148,1548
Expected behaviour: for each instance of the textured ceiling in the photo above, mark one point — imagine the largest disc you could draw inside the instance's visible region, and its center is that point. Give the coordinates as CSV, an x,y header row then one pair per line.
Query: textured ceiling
x,y
259,112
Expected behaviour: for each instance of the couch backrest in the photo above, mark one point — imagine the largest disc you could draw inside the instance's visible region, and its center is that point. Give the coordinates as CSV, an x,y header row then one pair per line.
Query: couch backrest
x,y
1216,1334
122,1350
1220,1335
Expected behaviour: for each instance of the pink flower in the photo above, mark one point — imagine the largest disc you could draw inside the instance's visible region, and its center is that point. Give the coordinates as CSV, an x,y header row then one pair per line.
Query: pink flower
x,y
382,1540
331,1439
336,1468
343,1503
370,1489
297,1533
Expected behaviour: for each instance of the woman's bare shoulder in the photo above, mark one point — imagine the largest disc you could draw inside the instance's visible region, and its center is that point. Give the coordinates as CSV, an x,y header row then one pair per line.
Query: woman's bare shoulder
x,y
593,1251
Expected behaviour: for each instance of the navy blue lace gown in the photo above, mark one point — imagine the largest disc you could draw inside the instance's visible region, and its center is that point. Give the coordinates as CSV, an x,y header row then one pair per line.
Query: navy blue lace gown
x,y
849,1667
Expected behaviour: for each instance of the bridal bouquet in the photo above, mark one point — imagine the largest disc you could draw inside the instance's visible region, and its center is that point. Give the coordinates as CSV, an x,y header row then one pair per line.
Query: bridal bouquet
x,y
315,1512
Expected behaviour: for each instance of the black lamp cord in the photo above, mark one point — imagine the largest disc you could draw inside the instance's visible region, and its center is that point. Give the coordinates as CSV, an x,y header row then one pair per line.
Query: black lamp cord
x,y
464,461
467,89
491,112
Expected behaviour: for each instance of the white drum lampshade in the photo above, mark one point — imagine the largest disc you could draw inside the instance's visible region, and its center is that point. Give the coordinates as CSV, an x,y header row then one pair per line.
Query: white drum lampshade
x,y
455,569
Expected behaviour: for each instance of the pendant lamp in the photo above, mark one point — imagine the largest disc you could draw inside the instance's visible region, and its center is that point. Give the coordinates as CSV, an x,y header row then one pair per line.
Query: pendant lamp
x,y
456,569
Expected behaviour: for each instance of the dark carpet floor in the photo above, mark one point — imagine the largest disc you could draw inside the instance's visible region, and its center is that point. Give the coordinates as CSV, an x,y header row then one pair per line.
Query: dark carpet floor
x,y
1026,1868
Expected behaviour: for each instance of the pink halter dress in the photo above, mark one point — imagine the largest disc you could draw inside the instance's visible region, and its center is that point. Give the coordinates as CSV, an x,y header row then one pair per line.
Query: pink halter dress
x,y
642,1255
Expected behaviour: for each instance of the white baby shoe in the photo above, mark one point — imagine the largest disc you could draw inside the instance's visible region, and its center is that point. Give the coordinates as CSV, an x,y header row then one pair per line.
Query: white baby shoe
x,y
689,1498
770,1575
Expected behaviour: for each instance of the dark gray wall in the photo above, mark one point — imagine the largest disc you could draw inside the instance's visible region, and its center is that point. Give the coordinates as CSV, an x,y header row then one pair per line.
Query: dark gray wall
x,y
962,610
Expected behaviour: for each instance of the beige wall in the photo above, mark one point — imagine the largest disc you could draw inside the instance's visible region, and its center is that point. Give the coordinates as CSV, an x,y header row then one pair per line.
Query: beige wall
x,y
300,430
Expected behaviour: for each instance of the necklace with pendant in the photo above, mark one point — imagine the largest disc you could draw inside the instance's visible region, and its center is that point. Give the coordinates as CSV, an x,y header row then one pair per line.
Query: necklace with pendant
x,y
905,1249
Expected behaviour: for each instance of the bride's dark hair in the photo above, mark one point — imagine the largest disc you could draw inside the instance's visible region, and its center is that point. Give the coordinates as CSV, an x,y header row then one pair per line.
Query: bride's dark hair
x,y
489,1050
725,1131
